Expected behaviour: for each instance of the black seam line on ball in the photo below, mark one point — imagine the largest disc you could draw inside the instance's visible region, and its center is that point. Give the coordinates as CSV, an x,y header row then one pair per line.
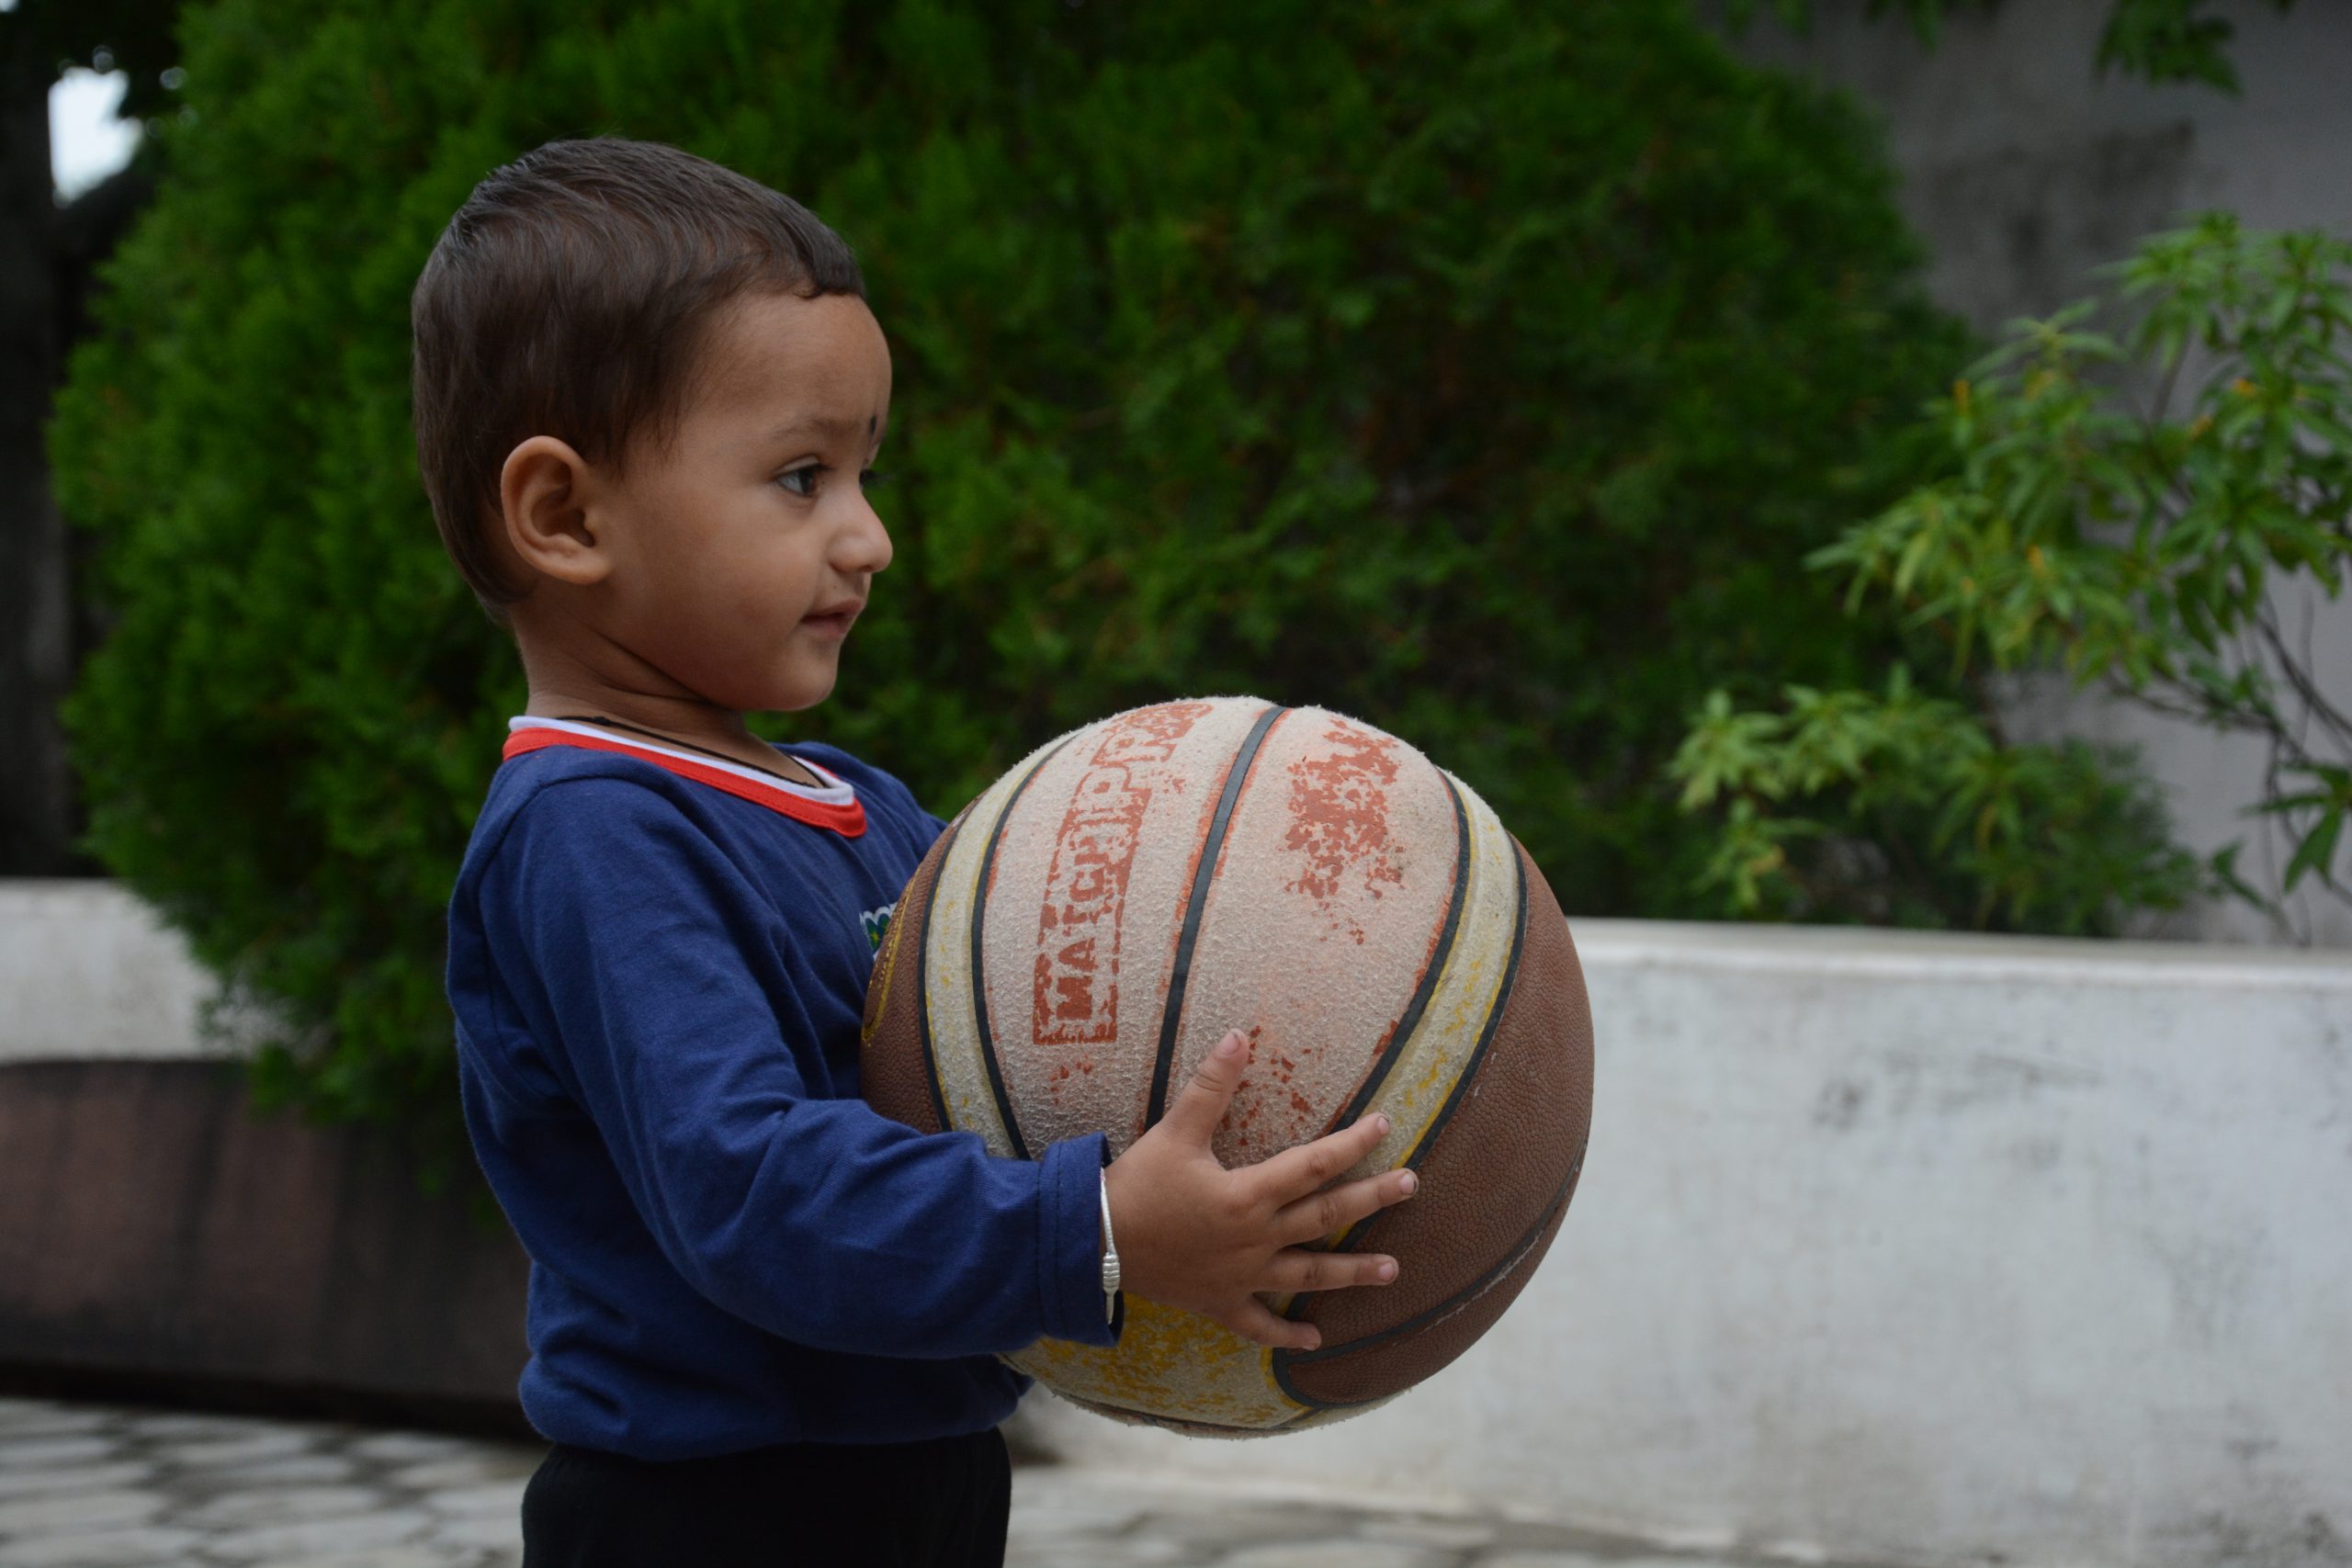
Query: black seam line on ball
x,y
1429,1317
1211,847
922,978
1453,1096
980,964
1478,1053
1377,1080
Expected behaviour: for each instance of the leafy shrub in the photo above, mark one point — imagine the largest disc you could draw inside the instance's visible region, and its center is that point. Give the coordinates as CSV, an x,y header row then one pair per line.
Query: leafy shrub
x,y
1469,367
2131,547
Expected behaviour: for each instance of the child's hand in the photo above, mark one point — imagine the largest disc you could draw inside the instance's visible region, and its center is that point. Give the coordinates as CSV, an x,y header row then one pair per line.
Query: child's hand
x,y
1194,1234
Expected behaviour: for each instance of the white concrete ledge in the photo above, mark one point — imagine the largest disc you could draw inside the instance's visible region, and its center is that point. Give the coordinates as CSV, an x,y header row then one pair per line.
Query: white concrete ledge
x,y
1848,951
87,971
1913,1249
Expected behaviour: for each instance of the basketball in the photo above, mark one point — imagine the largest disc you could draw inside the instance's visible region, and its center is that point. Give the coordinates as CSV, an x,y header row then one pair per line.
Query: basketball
x,y
1086,929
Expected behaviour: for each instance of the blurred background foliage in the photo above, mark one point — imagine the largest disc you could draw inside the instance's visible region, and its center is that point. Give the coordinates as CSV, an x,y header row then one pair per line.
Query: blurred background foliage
x,y
2127,540
1480,369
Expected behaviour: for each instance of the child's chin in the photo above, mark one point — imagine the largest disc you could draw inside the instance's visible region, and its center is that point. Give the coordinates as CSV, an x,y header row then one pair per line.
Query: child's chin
x,y
780,683
801,694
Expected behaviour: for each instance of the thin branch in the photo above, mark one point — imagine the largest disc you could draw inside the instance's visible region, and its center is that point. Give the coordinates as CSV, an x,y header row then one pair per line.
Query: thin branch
x,y
2207,711
2316,702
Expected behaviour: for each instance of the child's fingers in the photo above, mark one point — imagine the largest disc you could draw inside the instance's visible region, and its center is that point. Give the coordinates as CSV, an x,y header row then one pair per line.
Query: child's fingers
x,y
1297,1171
1296,1269
1336,1207
1194,1114
1254,1323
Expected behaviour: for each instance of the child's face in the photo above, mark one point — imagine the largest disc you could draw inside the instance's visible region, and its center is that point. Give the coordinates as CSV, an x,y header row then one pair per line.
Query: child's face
x,y
740,543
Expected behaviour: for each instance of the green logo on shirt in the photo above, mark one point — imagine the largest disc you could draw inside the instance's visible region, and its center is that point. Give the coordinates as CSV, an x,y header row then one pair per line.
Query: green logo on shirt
x,y
877,925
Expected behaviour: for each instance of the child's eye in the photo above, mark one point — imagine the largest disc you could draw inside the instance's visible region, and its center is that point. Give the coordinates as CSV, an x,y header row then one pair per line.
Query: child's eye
x,y
800,481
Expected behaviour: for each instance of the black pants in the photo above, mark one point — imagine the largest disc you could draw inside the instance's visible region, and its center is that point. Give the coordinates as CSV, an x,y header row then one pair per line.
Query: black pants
x,y
933,1504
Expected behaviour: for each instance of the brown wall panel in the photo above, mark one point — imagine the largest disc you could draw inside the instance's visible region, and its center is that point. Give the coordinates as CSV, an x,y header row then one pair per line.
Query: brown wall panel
x,y
151,1223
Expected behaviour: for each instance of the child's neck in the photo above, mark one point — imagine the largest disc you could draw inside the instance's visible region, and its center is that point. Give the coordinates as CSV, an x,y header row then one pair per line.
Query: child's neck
x,y
689,722
576,679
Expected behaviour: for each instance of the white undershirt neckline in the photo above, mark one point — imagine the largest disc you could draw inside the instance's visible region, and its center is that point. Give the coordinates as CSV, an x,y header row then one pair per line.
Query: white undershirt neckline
x,y
838,792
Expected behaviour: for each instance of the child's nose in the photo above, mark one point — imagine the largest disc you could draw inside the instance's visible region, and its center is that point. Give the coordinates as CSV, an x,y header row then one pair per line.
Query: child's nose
x,y
865,542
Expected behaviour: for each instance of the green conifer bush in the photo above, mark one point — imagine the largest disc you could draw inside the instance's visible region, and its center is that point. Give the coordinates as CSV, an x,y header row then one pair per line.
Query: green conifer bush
x,y
1476,367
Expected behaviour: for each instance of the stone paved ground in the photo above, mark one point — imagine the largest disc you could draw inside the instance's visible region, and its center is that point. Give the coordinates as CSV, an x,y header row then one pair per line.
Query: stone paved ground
x,y
103,1486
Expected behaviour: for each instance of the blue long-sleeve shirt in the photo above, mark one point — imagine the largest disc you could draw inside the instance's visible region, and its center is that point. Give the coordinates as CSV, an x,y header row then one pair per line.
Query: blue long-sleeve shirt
x,y
658,965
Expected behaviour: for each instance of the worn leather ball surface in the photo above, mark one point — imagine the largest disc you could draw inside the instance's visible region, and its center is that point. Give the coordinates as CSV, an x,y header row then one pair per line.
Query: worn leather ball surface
x,y
1089,927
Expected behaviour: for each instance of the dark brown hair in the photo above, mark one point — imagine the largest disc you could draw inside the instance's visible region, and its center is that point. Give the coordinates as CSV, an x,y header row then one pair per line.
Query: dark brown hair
x,y
569,298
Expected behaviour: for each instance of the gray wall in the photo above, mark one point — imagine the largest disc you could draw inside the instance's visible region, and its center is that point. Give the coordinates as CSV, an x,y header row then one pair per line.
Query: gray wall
x,y
2024,171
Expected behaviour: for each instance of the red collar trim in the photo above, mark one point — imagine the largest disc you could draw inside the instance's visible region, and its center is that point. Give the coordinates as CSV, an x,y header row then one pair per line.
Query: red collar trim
x,y
848,820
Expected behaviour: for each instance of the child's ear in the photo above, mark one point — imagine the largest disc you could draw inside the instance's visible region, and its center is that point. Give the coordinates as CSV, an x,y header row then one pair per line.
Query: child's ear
x,y
543,496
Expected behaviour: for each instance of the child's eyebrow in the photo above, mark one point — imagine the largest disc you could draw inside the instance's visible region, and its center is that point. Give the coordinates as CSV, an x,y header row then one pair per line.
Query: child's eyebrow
x,y
821,425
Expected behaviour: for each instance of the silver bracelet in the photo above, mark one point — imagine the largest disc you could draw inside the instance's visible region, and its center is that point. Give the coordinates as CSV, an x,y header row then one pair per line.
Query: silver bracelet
x,y
1109,1258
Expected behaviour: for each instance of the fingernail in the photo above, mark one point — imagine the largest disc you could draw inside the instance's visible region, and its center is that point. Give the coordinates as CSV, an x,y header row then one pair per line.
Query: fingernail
x,y
1381,1123
1314,1341
1231,1044
1386,1271
1411,1184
